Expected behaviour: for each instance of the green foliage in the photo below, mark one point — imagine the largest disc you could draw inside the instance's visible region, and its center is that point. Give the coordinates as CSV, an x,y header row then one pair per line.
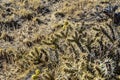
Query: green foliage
x,y
34,77
37,71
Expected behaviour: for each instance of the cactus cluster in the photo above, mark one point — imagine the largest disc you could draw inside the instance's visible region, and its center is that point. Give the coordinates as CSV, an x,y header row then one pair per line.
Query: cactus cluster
x,y
75,53
85,46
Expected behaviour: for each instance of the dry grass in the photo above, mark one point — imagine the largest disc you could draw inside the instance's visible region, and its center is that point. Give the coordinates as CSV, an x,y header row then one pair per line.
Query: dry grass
x,y
58,38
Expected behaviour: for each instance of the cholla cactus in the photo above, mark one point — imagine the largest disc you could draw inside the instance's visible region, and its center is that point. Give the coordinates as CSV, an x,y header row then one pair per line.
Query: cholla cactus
x,y
107,67
99,78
